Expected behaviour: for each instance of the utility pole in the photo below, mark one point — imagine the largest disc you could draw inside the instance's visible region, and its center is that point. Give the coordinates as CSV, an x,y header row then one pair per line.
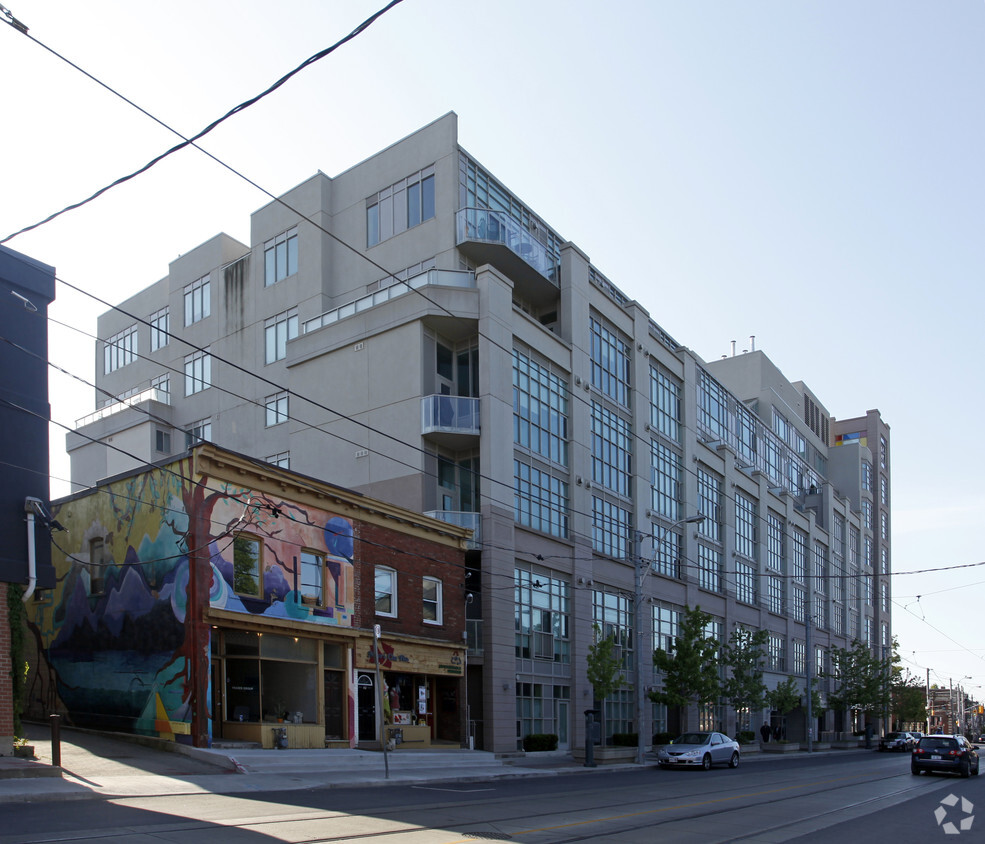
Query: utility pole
x,y
809,669
638,650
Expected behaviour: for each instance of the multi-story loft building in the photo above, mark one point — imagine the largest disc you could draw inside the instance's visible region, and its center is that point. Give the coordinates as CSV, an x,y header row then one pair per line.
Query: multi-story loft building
x,y
412,330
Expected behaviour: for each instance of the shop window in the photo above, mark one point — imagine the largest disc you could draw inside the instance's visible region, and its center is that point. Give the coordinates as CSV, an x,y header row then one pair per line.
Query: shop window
x,y
246,565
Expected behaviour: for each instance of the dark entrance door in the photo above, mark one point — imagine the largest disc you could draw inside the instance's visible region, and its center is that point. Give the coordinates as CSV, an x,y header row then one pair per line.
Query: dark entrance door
x,y
366,706
334,702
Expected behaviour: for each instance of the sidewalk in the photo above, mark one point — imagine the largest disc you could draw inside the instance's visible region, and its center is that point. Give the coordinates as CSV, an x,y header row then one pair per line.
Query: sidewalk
x,y
97,765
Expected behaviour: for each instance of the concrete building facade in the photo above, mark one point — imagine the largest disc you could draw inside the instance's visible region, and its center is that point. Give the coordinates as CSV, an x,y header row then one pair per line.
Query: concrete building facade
x,y
412,330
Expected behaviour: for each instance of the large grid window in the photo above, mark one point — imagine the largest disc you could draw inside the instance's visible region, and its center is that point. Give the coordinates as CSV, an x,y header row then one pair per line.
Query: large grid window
x,y
542,615
712,406
280,257
776,653
867,514
611,525
774,542
746,522
277,331
120,349
198,300
745,583
275,408
774,587
798,603
884,526
612,450
666,551
611,361
666,468
820,568
867,475
884,559
400,206
709,568
745,434
799,656
799,555
665,404
160,325
666,627
710,505
540,501
198,372
540,409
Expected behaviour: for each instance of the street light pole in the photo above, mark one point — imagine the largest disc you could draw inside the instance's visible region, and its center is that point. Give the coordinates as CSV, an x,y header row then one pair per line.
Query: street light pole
x,y
639,574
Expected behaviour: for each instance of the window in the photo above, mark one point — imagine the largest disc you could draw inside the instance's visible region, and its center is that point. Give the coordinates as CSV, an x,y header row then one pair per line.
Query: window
x,y
884,559
198,372
745,583
386,591
197,432
162,383
709,568
400,206
798,603
712,406
666,469
276,409
540,409
277,331
774,585
867,514
776,653
665,404
311,587
162,441
283,460
867,475
198,300
431,600
883,453
774,542
709,505
884,526
611,527
120,349
99,560
612,449
280,257
610,363
160,325
540,501
884,593
799,556
246,565
541,615
746,519
883,490
799,656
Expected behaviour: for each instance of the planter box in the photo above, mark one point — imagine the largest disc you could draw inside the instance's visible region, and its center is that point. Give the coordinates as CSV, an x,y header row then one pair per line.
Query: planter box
x,y
818,745
847,745
24,751
781,747
607,755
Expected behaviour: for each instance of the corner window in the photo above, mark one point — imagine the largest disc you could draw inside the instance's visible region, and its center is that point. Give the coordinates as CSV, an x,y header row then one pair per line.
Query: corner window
x,y
431,596
198,300
401,206
280,257
246,565
386,591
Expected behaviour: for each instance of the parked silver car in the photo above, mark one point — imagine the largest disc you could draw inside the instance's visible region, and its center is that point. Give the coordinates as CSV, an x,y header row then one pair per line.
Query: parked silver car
x,y
700,750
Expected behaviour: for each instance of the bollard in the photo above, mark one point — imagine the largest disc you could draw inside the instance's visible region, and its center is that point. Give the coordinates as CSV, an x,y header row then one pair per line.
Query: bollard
x,y
589,738
56,740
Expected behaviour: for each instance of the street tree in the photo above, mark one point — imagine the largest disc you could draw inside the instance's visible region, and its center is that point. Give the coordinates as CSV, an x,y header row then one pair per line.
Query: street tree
x,y
785,697
604,667
691,670
744,655
862,679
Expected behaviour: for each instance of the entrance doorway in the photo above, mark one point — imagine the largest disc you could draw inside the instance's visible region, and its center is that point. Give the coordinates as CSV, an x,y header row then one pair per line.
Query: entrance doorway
x,y
366,707
334,704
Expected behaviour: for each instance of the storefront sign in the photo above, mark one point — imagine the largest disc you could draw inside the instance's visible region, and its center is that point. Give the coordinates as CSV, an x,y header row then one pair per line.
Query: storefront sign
x,y
410,658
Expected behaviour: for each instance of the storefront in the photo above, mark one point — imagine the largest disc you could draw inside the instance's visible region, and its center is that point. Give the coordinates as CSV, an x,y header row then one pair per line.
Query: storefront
x,y
422,694
281,687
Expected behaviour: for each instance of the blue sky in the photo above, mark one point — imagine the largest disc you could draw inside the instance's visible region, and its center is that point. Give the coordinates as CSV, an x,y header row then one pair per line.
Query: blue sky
x,y
809,173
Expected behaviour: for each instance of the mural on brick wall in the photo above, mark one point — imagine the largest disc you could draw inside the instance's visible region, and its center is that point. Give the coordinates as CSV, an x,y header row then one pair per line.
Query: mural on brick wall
x,y
112,642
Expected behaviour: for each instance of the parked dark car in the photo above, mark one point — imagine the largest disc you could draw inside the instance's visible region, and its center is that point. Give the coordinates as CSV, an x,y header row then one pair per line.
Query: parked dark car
x,y
896,741
945,753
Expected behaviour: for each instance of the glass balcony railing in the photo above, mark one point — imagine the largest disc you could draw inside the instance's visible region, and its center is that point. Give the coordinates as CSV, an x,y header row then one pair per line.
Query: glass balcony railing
x,y
450,415
151,394
473,521
440,278
486,225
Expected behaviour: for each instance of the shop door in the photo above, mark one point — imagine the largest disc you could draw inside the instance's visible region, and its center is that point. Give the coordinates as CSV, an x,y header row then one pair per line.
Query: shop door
x,y
366,705
334,704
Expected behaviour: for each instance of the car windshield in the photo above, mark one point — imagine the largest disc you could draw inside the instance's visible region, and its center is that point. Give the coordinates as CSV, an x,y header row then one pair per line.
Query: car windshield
x,y
895,735
938,744
692,738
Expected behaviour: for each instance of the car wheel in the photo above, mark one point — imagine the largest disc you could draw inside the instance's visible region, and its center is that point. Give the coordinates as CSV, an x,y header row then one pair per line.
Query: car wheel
x,y
965,768
914,770
706,762
734,761
974,773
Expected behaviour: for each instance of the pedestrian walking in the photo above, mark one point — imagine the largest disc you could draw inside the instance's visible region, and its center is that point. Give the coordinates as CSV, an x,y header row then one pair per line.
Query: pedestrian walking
x,y
764,731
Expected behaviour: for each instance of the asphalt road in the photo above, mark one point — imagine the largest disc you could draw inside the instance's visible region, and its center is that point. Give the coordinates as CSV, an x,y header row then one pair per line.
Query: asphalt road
x,y
835,798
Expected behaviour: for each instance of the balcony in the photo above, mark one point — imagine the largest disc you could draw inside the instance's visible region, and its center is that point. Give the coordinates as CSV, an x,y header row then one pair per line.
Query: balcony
x,y
451,421
473,521
494,237
134,399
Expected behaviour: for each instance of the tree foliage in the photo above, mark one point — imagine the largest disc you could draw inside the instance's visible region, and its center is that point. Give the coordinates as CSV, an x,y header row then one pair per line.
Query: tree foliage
x,y
909,700
744,655
862,679
604,666
785,697
691,670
